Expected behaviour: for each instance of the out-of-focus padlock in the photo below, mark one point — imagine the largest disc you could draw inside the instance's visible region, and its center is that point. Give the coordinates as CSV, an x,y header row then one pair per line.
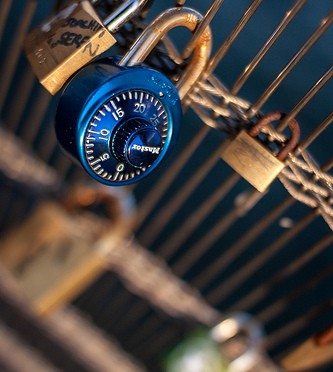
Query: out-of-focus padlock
x,y
71,39
255,162
54,254
240,339
233,345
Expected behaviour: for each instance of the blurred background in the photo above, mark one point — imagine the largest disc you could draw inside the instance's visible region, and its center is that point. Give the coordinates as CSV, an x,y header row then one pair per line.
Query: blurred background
x,y
139,269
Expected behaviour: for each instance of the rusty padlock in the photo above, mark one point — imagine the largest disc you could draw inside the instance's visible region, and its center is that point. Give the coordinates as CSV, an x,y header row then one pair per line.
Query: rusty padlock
x,y
71,39
255,162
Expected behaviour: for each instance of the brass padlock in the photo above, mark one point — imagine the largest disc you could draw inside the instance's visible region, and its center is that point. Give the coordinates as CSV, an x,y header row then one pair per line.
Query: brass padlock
x,y
71,39
255,162
55,254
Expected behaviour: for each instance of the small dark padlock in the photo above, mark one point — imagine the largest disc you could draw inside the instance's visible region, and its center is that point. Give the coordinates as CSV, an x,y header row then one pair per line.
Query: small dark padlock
x,y
118,119
255,162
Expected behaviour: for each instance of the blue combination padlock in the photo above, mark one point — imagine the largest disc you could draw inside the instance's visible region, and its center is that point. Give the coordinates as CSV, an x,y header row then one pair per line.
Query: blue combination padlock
x,y
119,119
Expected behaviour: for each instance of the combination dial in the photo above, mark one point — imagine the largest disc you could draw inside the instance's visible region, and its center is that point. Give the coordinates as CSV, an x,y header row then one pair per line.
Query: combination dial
x,y
126,136
118,122
137,142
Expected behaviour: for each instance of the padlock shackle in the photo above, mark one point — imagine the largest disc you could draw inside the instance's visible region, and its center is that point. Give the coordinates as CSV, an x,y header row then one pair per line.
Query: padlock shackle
x,y
171,18
294,130
292,142
123,13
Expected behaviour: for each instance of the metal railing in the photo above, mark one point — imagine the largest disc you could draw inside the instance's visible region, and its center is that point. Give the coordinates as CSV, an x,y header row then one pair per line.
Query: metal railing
x,y
235,245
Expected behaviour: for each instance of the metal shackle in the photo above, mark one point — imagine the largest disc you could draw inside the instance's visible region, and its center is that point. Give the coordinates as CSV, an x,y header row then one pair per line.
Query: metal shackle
x,y
291,143
252,332
166,21
123,13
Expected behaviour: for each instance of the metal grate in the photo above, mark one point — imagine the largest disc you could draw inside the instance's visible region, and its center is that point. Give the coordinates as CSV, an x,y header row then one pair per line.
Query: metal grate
x,y
265,253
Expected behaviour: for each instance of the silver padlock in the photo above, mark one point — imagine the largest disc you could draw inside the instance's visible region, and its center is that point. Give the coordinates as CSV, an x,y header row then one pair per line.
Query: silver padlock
x,y
233,345
240,340
72,38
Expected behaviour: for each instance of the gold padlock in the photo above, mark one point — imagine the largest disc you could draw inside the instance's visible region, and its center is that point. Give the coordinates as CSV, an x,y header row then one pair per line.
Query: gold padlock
x,y
71,39
54,254
255,162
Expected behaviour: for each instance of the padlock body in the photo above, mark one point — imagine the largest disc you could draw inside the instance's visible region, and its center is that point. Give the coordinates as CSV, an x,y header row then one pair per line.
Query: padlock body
x,y
65,43
118,122
251,160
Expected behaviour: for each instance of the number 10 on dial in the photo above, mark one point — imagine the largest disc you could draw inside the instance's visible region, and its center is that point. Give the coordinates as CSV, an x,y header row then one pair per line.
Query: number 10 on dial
x,y
125,136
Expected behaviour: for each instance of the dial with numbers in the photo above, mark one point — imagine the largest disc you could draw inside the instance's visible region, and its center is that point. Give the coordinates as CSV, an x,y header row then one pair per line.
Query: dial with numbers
x,y
126,135
118,122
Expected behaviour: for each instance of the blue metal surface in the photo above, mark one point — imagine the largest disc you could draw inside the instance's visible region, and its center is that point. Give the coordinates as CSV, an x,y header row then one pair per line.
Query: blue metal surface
x,y
118,122
289,265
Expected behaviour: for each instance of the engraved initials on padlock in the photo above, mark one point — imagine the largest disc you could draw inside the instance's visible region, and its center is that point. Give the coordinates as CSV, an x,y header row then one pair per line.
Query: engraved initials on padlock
x,y
71,39
255,162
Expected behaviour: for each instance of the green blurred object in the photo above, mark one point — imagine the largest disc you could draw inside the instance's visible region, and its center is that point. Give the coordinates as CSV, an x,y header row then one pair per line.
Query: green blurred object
x,y
196,353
